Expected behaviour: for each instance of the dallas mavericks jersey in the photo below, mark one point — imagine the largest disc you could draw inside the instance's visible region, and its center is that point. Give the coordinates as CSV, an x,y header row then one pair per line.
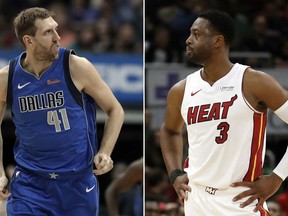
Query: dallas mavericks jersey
x,y
226,135
55,123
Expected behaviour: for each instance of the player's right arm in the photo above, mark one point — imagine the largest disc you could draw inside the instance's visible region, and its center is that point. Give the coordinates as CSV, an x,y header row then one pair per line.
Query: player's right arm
x,y
3,92
171,137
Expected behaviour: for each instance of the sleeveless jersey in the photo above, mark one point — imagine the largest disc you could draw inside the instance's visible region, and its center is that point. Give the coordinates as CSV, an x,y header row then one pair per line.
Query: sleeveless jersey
x,y
55,123
226,135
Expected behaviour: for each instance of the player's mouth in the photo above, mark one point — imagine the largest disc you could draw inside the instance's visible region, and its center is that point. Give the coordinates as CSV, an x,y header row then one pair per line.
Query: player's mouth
x,y
55,48
189,50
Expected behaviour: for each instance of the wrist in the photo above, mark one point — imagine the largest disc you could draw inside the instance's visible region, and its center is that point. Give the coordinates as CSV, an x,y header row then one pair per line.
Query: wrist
x,y
276,178
174,174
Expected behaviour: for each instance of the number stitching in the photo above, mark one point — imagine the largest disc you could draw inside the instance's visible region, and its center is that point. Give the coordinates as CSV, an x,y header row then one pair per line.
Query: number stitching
x,y
224,128
53,119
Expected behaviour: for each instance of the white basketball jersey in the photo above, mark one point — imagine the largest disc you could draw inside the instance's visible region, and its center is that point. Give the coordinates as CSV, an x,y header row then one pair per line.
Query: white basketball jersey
x,y
226,135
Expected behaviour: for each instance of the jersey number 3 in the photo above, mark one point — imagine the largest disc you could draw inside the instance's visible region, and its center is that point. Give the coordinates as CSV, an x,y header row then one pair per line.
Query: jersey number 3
x,y
58,117
223,127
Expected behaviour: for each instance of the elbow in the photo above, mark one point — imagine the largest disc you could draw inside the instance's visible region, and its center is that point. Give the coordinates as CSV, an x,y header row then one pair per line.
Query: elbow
x,y
121,113
117,113
169,132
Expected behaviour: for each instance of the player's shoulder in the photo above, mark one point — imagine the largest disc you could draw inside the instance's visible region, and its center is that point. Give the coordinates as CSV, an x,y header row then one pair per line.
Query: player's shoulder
x,y
4,74
80,66
3,82
178,88
78,61
176,92
254,76
4,70
257,83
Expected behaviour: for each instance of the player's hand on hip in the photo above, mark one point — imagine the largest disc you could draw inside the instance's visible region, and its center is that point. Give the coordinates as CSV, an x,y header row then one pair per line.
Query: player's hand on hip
x,y
103,163
4,193
181,187
260,189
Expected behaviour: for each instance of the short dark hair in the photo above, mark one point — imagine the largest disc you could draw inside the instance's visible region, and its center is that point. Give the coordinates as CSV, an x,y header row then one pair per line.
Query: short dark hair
x,y
221,22
24,22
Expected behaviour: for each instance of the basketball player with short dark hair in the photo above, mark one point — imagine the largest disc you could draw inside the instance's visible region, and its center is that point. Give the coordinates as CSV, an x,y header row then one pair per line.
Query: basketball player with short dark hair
x,y
224,107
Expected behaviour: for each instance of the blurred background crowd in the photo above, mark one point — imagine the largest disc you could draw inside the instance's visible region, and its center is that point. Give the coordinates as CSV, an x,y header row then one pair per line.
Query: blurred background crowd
x,y
110,34
261,42
116,26
262,27
87,25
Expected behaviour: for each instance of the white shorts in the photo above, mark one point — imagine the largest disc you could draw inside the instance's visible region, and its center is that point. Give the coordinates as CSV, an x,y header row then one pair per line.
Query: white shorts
x,y
207,201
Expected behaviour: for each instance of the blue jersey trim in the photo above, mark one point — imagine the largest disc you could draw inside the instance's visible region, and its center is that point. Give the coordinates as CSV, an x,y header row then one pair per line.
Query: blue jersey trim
x,y
72,88
9,95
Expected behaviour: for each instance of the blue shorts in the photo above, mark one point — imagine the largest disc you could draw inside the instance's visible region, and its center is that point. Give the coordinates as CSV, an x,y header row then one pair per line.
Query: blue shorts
x,y
53,194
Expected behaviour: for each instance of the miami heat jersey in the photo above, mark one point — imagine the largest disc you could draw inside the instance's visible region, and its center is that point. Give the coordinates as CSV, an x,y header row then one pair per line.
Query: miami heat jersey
x,y
55,123
226,135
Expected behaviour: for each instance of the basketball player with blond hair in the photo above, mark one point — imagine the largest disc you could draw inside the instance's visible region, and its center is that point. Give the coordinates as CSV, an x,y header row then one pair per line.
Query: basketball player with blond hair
x,y
52,94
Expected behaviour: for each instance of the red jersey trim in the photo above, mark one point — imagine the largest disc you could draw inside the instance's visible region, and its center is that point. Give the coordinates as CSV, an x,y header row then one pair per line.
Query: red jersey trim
x,y
263,212
255,165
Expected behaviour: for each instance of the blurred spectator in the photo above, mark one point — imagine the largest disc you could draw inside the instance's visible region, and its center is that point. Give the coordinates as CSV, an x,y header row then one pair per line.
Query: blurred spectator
x,y
81,12
87,25
117,170
282,59
160,49
261,26
131,180
86,39
126,40
274,208
156,185
282,199
65,30
148,116
103,36
153,155
260,38
275,20
156,208
160,197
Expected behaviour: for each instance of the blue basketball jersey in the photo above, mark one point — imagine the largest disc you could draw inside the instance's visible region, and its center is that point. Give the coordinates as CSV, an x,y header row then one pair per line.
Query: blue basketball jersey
x,y
55,123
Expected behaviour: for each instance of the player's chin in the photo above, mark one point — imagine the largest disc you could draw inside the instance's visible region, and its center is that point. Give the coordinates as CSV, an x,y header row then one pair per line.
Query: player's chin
x,y
55,51
56,56
189,54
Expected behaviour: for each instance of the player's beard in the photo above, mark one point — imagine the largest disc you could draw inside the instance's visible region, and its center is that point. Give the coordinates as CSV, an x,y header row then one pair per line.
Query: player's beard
x,y
42,53
199,55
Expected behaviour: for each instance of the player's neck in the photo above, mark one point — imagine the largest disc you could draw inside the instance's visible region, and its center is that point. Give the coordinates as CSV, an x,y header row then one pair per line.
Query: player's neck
x,y
34,66
213,72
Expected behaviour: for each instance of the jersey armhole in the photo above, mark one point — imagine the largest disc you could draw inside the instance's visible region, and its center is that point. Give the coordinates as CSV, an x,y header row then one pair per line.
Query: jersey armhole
x,y
70,84
9,94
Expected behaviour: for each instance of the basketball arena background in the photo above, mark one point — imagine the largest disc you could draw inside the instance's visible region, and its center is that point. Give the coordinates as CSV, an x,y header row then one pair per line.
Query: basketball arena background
x,y
108,33
261,42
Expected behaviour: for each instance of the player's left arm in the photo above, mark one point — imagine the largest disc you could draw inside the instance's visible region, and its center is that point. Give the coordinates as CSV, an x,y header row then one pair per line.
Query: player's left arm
x,y
270,94
87,79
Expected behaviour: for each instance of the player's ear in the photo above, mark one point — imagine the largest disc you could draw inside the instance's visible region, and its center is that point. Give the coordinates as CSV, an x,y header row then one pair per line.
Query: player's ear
x,y
27,40
219,41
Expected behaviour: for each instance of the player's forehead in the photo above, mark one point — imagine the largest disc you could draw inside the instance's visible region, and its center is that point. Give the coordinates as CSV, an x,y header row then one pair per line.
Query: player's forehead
x,y
200,24
45,24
